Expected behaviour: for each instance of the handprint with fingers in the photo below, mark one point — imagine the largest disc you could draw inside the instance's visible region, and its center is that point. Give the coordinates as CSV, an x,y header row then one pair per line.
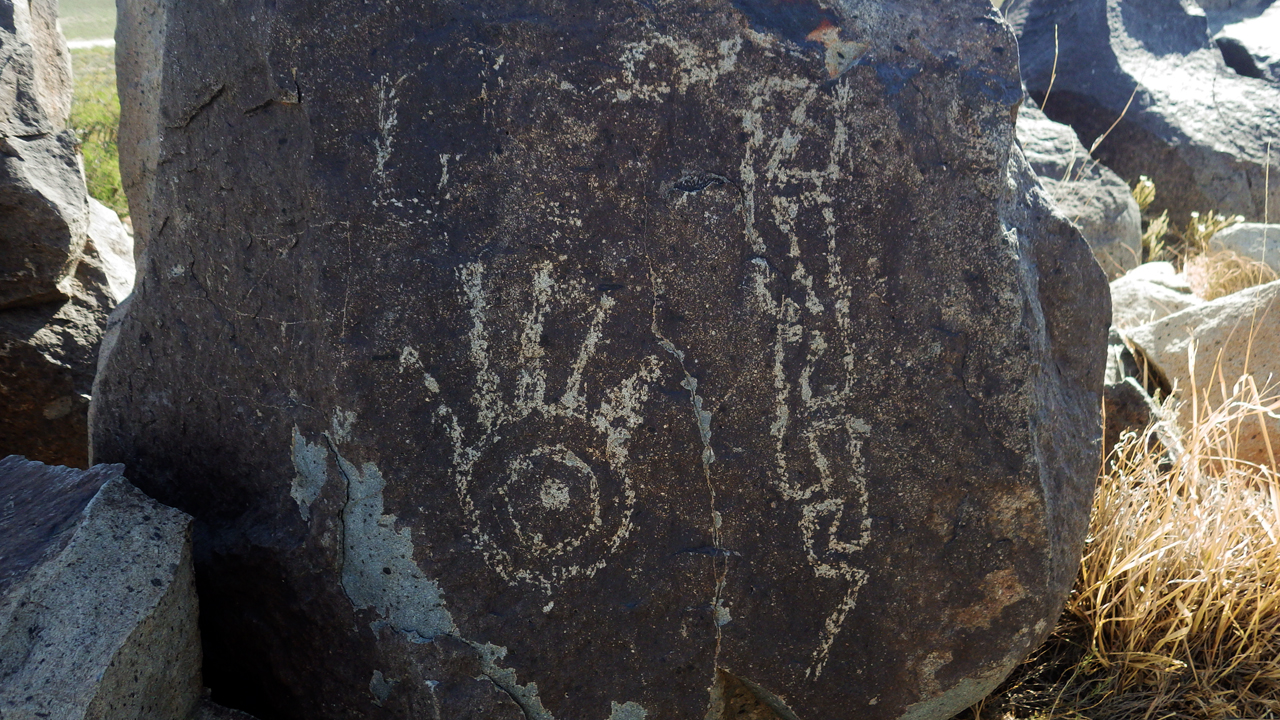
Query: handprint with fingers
x,y
541,472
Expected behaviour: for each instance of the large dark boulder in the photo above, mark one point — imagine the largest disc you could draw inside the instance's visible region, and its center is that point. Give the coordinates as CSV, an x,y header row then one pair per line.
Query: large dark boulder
x,y
602,360
1196,127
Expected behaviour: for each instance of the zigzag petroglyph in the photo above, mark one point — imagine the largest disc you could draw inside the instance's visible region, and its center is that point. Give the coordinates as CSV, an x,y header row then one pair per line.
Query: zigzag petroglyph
x,y
824,473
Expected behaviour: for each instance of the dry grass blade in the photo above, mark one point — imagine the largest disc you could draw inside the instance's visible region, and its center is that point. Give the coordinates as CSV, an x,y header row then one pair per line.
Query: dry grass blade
x,y
1217,274
1176,610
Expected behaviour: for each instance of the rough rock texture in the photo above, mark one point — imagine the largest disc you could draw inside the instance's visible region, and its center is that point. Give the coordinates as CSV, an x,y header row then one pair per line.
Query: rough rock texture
x,y
531,360
1256,241
1148,293
44,210
49,352
1196,127
1248,35
97,598
65,260
1237,335
1095,199
1126,408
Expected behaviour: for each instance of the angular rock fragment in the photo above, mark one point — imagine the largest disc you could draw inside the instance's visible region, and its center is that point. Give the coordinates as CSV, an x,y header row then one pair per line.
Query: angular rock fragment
x,y
1147,293
49,351
1212,346
1181,116
603,360
97,598
1093,197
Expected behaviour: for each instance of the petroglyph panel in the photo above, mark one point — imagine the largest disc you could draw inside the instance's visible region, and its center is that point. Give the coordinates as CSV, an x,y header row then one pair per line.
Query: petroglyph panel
x,y
606,360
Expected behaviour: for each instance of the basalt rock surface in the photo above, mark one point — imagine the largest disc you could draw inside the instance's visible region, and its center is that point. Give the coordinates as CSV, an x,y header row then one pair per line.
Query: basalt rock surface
x,y
65,260
603,360
97,598
44,209
1181,116
1093,197
49,351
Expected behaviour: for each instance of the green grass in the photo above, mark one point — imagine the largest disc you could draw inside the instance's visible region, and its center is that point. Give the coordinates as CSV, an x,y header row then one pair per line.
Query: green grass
x,y
87,19
95,116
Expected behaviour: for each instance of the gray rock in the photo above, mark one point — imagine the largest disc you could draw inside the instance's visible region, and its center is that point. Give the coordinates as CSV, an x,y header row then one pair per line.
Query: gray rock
x,y
44,217
1126,408
1093,197
593,362
1256,241
1148,293
1197,128
43,206
35,70
1233,337
97,598
1248,35
141,27
49,352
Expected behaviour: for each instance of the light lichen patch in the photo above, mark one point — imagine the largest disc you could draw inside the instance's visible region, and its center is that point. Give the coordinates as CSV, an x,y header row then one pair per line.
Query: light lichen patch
x,y
310,463
378,569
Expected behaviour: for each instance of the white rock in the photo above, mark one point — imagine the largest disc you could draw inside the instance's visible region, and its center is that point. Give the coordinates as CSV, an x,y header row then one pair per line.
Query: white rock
x,y
1233,336
1147,293
115,249
1255,241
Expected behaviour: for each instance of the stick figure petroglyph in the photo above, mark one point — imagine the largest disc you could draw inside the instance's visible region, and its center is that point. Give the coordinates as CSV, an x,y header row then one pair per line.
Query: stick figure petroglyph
x,y
542,476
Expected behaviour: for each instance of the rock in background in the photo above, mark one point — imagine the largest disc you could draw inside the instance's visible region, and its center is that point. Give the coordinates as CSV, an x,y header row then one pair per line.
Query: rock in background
x,y
1147,293
1248,35
1196,127
44,211
65,260
1256,241
602,360
1232,337
49,351
97,598
1093,197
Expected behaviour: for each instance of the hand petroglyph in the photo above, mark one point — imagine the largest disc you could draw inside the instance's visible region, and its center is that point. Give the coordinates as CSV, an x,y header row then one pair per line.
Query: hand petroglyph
x,y
542,476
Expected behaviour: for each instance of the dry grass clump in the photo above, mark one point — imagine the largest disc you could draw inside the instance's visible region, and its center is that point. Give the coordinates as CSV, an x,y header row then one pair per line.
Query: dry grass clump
x,y
1176,610
1215,274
